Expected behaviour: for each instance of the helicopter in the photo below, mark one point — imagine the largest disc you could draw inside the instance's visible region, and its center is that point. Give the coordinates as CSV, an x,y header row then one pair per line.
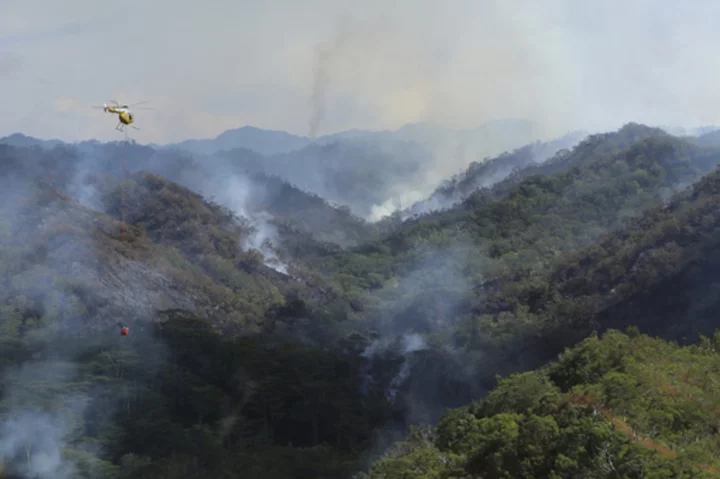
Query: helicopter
x,y
123,112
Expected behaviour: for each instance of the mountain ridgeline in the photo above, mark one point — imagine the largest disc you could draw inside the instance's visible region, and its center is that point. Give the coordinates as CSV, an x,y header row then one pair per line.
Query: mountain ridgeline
x,y
550,311
368,172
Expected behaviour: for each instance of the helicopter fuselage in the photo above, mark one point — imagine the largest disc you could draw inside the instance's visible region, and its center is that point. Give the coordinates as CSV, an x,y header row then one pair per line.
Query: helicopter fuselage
x,y
123,114
126,117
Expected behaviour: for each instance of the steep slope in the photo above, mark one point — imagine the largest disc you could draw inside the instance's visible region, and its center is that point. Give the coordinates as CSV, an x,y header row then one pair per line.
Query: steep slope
x,y
662,264
267,201
620,406
356,173
418,321
65,263
261,199
485,174
657,272
181,393
374,173
475,285
310,213
179,398
592,148
64,266
527,220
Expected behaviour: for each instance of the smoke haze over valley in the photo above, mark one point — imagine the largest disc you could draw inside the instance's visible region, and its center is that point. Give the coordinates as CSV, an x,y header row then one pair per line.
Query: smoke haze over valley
x,y
418,240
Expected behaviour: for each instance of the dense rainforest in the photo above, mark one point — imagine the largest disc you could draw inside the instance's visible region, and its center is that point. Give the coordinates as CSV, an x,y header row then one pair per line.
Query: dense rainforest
x,y
551,316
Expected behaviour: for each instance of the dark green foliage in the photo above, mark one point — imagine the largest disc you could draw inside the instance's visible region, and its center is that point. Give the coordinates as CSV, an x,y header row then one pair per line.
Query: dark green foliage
x,y
184,397
618,406
512,246
595,238
654,271
310,213
522,224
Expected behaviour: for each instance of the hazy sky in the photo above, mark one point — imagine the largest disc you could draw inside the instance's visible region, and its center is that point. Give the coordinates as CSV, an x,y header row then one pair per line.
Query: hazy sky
x,y
218,64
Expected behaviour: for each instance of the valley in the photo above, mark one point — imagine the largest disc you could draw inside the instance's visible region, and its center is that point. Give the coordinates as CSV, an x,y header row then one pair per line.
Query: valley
x,y
355,307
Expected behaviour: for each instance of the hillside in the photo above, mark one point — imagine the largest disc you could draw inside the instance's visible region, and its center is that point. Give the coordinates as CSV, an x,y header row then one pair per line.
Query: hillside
x,y
620,406
652,273
244,189
527,220
485,174
356,173
372,173
275,335
72,168
181,252
474,186
656,272
477,283
69,279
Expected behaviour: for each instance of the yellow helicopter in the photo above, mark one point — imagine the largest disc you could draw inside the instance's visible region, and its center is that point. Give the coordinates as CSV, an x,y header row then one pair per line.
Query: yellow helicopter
x,y
124,113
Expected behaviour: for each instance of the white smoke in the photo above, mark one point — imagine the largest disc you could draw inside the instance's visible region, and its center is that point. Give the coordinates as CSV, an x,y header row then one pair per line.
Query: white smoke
x,y
236,195
39,439
410,343
33,438
398,202
404,346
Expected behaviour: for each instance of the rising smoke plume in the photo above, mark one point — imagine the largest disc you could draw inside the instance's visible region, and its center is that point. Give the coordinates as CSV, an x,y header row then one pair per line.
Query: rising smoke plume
x,y
325,54
320,83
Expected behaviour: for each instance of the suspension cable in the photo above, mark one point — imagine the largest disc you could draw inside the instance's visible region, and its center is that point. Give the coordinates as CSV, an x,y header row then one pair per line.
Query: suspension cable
x,y
122,204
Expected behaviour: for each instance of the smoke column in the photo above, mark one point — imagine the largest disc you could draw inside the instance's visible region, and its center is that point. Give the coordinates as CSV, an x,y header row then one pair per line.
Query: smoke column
x,y
320,84
324,55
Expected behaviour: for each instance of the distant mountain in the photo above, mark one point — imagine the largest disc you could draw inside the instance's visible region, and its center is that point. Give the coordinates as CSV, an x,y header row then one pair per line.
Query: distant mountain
x,y
697,131
709,139
265,142
22,141
87,147
431,133
372,172
356,173
378,172
490,138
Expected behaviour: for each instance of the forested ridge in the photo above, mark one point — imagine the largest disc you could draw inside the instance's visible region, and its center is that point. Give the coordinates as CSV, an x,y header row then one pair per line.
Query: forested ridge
x,y
624,405
281,336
